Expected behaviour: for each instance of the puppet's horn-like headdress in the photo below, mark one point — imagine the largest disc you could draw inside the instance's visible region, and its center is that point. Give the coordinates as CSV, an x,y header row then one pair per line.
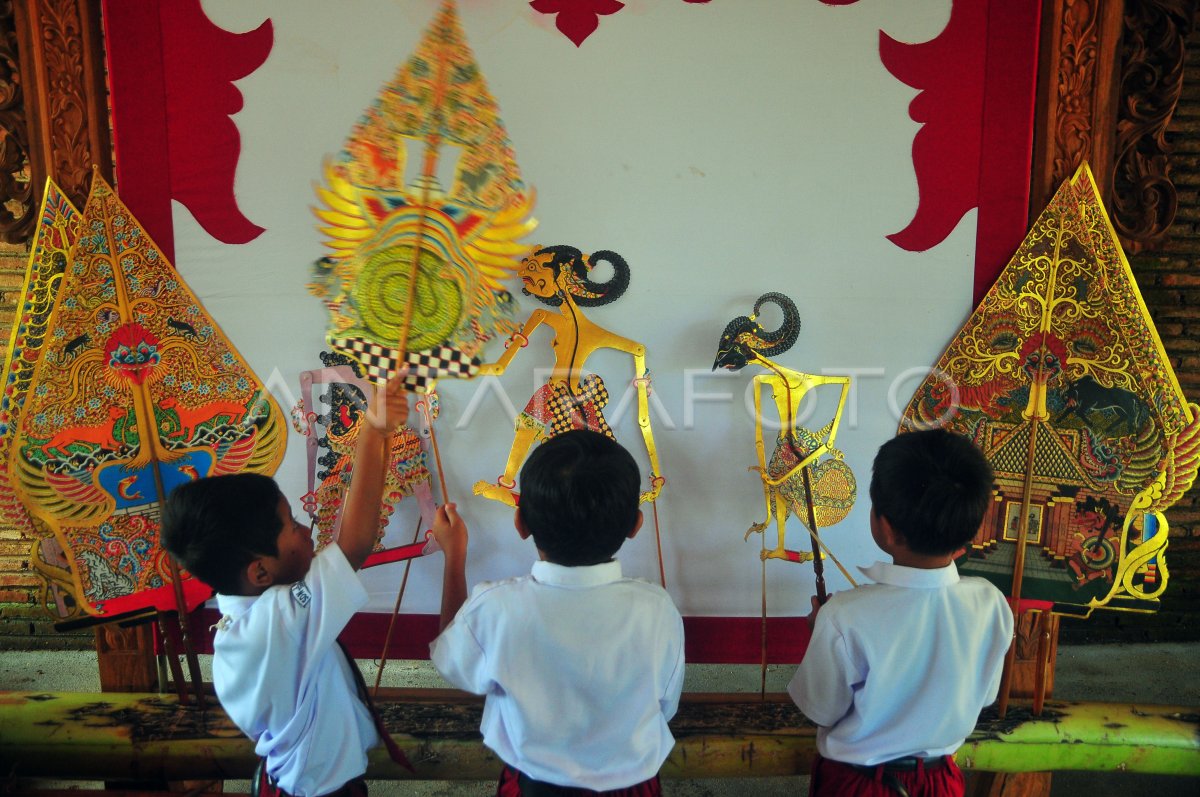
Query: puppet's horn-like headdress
x,y
782,339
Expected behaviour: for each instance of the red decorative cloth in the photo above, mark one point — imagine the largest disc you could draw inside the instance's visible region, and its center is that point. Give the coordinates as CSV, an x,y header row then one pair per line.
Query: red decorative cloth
x,y
835,779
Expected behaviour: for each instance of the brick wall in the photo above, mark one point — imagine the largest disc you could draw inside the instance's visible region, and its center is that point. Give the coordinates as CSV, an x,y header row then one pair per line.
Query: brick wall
x,y
24,625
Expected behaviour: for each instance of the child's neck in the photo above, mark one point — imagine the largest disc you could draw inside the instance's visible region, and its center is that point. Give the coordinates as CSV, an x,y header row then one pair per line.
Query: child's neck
x,y
907,558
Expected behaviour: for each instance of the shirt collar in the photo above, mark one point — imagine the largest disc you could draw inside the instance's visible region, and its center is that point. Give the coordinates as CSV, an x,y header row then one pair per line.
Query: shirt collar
x,y
234,606
583,576
917,577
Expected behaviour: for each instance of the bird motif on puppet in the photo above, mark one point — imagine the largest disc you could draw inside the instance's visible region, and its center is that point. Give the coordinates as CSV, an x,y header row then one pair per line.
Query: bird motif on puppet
x,y
806,475
561,277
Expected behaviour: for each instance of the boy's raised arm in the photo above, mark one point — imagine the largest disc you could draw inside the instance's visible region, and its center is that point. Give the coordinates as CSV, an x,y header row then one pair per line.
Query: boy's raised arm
x,y
451,534
387,411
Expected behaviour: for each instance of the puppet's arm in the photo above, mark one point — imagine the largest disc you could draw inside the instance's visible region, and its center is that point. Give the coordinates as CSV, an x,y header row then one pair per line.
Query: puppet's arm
x,y
844,381
760,448
642,380
518,341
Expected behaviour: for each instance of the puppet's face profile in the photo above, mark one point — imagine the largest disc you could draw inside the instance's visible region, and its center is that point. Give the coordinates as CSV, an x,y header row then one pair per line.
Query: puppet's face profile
x,y
537,275
733,354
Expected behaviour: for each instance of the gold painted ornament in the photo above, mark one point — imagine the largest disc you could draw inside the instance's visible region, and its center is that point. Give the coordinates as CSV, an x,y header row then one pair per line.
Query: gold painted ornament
x,y
53,238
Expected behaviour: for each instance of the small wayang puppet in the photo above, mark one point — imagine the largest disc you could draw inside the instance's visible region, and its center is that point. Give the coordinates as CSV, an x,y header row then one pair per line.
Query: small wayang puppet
x,y
806,475
330,413
560,277
57,230
1061,379
134,392
415,269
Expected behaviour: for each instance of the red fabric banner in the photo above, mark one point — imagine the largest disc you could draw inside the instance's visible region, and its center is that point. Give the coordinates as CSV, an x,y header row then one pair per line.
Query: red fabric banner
x,y
171,74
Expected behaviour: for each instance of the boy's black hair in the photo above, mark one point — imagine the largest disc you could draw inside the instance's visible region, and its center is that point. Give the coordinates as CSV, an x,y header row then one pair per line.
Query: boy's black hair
x,y
934,487
579,497
215,527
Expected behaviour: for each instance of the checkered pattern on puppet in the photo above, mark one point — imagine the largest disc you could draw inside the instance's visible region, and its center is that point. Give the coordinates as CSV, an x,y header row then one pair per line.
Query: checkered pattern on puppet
x,y
424,367
559,410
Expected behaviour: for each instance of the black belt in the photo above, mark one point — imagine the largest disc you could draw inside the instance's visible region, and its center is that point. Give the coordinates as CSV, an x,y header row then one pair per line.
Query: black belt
x,y
539,788
906,764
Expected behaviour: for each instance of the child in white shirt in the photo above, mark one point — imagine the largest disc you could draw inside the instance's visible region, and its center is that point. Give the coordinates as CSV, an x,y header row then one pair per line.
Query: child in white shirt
x,y
277,668
897,671
582,668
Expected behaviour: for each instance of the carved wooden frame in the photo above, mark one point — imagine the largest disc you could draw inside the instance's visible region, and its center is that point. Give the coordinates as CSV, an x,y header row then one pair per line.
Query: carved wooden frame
x,y
1117,125
53,105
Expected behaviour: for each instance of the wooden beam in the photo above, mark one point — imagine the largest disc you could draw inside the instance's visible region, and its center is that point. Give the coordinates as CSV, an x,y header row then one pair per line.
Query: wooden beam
x,y
149,736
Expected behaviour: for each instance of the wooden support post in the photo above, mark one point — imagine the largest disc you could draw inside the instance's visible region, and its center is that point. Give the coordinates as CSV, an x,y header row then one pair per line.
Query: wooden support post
x,y
1029,671
126,658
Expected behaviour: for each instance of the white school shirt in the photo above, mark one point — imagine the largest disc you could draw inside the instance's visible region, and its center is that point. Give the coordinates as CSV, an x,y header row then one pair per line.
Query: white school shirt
x,y
582,669
903,666
282,678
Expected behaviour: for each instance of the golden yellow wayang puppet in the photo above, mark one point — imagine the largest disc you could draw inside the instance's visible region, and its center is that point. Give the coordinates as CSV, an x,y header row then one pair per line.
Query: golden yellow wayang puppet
x,y
558,276
796,480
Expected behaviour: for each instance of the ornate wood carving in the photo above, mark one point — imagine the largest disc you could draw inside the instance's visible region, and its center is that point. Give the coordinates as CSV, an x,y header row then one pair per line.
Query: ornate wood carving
x,y
1077,96
1144,200
60,62
17,212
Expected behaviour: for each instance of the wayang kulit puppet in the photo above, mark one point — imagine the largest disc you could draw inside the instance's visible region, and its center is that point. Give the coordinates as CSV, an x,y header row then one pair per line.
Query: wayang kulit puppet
x,y
559,277
135,391
806,475
1061,379
421,212
55,235
330,412
415,270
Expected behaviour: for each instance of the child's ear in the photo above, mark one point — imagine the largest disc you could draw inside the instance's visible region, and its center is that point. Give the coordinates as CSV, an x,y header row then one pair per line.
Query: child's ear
x,y
889,533
522,529
636,526
258,575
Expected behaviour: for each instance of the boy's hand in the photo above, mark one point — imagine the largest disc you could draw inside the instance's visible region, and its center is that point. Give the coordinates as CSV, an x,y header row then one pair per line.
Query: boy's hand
x,y
388,408
812,616
450,532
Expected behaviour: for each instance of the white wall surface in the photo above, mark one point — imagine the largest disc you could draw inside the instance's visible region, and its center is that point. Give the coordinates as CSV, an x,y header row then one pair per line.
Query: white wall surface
x,y
725,150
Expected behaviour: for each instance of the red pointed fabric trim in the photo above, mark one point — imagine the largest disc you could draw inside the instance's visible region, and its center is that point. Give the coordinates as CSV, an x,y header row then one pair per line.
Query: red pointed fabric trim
x,y
578,19
975,147
171,73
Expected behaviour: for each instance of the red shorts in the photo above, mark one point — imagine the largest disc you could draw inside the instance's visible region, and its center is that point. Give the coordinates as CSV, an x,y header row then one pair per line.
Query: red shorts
x,y
263,785
835,779
514,784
